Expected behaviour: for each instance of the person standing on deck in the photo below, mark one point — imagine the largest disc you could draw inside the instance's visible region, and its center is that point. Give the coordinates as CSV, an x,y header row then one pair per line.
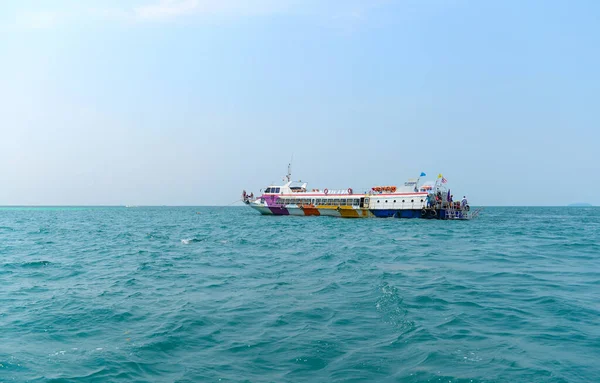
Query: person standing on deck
x,y
463,203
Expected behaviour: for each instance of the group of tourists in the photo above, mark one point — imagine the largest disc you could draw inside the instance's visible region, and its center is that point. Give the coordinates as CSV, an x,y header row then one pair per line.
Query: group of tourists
x,y
247,197
436,200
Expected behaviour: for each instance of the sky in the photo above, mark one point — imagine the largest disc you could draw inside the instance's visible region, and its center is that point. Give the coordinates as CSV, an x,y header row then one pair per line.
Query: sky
x,y
187,102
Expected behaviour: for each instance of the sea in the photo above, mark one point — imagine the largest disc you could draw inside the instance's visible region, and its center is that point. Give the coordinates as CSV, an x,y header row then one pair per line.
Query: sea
x,y
224,294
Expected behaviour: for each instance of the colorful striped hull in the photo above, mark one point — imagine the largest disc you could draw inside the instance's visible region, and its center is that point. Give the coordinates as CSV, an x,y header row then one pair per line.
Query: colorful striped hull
x,y
350,212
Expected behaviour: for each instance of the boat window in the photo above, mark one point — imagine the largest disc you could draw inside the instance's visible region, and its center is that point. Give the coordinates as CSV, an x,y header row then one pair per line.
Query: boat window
x,y
386,201
378,201
394,201
276,190
268,190
402,201
412,200
343,202
336,202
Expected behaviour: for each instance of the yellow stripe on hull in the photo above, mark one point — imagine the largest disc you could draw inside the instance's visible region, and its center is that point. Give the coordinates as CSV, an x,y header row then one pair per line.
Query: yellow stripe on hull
x,y
346,211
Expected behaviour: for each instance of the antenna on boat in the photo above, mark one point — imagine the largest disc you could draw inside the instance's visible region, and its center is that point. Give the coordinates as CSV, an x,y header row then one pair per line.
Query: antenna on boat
x,y
289,173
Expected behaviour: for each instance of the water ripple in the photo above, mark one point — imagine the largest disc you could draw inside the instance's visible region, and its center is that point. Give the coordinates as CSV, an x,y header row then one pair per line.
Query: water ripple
x,y
166,294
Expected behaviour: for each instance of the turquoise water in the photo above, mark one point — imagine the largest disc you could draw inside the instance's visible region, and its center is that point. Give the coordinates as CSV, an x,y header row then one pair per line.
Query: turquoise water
x,y
225,294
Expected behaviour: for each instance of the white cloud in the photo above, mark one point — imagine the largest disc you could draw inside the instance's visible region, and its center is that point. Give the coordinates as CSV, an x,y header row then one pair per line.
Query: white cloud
x,y
345,12
150,11
38,20
170,9
166,9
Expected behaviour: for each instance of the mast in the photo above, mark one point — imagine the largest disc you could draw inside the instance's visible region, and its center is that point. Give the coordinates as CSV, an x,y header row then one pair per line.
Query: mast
x,y
289,173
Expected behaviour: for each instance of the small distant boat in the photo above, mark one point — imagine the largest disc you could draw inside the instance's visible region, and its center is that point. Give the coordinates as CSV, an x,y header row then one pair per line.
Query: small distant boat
x,y
430,200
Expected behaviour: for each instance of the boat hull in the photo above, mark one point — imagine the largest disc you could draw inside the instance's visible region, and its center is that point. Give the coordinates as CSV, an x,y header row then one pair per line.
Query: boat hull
x,y
350,212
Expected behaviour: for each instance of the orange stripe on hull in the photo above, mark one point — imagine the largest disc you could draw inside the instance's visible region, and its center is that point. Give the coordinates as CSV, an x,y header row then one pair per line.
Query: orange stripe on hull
x,y
310,210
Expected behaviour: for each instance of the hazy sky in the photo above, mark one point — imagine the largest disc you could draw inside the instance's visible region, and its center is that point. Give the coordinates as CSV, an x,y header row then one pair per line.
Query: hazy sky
x,y
187,102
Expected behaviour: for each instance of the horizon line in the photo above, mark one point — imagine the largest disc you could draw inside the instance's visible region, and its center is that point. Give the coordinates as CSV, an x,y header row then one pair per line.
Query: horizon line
x,y
230,205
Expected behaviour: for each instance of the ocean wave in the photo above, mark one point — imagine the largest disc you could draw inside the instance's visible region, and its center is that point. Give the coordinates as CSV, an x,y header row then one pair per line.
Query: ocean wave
x,y
189,241
242,296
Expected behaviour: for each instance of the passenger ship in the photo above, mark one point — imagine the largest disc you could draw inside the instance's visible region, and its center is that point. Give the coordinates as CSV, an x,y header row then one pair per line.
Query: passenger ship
x,y
412,200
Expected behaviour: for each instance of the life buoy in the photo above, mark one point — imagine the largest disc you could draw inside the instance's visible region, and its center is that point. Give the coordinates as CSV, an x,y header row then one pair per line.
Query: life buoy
x,y
423,212
349,190
326,191
432,213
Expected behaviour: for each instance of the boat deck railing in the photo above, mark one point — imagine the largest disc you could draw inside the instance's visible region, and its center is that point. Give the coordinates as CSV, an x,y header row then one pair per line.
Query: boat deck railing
x,y
453,213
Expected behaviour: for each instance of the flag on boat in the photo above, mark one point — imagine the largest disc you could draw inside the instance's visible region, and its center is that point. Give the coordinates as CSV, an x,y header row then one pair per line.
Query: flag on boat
x,y
440,176
444,180
422,174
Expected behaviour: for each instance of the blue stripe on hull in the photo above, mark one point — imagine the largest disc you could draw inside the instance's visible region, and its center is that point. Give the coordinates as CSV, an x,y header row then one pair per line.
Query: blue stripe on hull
x,y
381,213
409,214
384,213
